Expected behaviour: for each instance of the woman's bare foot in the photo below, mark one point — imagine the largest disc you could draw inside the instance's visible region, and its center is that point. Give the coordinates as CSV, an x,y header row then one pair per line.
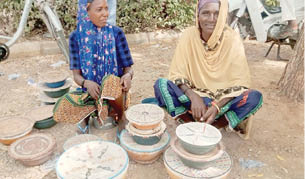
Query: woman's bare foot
x,y
83,126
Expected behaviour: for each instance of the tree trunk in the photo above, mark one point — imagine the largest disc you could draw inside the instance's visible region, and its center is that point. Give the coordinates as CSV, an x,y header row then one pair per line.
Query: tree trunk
x,y
291,83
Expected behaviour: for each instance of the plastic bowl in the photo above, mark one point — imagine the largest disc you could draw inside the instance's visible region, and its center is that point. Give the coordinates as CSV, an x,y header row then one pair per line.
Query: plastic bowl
x,y
44,124
57,94
55,84
150,101
194,140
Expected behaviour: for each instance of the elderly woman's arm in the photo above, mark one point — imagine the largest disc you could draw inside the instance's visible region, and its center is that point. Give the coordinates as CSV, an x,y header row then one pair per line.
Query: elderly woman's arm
x,y
198,108
126,78
212,111
92,87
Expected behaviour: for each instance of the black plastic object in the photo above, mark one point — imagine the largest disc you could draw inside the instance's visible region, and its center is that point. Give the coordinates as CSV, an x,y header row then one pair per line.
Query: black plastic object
x,y
4,52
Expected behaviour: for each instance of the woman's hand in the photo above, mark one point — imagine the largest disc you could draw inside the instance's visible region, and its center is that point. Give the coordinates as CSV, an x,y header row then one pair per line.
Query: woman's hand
x,y
198,108
209,116
126,82
93,88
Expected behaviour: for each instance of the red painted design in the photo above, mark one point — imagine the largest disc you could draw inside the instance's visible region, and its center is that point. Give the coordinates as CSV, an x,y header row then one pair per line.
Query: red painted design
x,y
244,100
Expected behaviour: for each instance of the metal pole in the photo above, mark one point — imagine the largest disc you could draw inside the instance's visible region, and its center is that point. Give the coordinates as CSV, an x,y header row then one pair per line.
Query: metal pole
x,y
22,23
53,18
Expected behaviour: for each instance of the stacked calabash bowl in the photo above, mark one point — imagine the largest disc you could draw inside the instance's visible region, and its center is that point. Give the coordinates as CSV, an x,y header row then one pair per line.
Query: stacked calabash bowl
x,y
13,128
53,85
42,116
197,152
145,137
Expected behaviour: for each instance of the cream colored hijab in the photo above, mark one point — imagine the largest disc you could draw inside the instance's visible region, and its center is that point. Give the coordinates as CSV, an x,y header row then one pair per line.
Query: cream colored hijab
x,y
215,69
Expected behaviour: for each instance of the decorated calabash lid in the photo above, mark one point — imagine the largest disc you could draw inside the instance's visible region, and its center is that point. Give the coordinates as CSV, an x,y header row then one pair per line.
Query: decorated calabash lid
x,y
40,113
145,114
14,126
53,76
216,169
44,87
78,139
32,147
92,160
127,142
199,134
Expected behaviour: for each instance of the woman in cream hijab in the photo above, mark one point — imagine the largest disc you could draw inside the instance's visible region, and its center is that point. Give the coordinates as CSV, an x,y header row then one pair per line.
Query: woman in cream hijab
x,y
209,78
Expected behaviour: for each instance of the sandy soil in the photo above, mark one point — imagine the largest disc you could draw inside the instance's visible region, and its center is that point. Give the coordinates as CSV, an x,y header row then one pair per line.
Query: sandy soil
x,y
276,139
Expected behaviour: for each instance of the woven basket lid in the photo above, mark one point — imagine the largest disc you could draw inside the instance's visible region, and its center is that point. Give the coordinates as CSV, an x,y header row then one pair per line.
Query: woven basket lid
x,y
94,160
210,156
146,133
40,113
197,133
53,76
127,142
13,126
215,169
67,84
78,139
145,114
32,147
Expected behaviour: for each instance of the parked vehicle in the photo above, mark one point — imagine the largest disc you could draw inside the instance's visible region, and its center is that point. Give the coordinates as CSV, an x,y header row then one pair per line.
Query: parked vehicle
x,y
52,22
256,18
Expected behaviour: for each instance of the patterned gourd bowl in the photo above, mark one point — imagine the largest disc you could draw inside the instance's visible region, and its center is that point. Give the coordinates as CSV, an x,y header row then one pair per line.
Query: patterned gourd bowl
x,y
13,128
146,137
42,116
197,161
57,94
219,168
56,84
44,124
145,116
34,149
143,154
93,159
53,79
198,138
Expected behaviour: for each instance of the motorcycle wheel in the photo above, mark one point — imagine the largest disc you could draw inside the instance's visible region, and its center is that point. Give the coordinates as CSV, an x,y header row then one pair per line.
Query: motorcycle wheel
x,y
4,52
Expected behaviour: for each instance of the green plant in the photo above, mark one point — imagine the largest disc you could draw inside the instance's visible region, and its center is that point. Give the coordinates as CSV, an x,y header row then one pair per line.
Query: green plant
x,y
132,15
149,15
11,11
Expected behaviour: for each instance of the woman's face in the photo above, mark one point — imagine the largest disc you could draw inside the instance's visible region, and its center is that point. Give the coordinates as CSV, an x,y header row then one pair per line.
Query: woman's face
x,y
98,12
207,17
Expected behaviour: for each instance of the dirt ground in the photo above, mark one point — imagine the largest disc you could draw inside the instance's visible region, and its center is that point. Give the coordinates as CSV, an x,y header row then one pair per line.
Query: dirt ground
x,y
277,138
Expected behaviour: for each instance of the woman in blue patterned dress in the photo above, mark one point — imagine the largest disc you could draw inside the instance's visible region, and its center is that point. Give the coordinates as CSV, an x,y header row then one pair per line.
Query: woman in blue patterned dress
x,y
98,49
